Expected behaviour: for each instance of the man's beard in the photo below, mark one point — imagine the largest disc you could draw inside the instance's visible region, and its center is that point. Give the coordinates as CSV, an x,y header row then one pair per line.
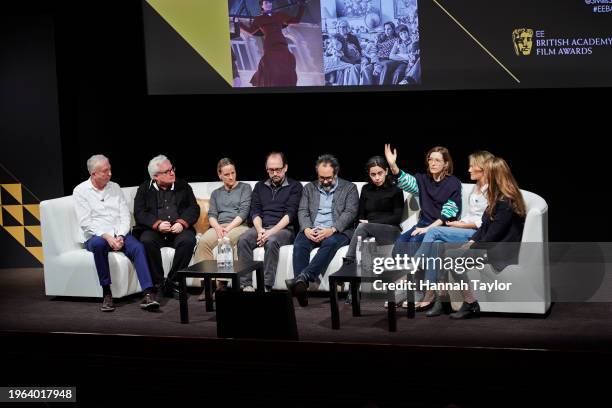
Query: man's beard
x,y
328,188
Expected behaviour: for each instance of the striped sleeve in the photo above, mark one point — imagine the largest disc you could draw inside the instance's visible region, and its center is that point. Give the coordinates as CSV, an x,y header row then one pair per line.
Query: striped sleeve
x,y
450,209
407,183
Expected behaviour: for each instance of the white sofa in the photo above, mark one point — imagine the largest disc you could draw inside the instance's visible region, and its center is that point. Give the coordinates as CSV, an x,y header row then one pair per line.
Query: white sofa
x,y
69,269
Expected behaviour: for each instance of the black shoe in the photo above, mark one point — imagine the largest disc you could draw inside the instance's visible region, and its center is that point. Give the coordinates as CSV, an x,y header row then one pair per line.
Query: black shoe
x,y
441,305
290,285
107,304
158,294
424,308
171,289
149,303
467,311
298,287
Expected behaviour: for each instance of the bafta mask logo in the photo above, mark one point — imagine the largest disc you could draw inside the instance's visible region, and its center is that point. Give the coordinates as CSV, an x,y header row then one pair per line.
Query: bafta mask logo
x,y
522,39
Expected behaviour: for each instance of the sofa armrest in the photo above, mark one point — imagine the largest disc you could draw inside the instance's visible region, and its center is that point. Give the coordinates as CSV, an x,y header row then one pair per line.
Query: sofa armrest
x,y
203,224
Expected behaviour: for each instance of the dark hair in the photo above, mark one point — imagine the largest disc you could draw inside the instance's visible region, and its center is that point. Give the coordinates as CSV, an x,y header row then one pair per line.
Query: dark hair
x,y
403,28
392,26
261,3
281,154
377,161
328,159
226,161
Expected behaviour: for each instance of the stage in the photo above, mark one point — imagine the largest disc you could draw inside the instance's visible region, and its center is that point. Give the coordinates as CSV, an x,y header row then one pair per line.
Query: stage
x,y
428,361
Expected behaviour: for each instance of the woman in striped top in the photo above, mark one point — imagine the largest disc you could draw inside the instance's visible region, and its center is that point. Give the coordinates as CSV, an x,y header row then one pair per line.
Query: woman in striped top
x,y
439,195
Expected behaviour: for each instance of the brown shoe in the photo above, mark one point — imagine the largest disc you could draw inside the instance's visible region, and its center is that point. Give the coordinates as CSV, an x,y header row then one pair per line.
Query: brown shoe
x,y
107,304
149,303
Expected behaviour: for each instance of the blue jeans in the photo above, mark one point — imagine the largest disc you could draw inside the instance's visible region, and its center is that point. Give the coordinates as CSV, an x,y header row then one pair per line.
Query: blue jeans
x,y
406,243
430,248
134,250
327,249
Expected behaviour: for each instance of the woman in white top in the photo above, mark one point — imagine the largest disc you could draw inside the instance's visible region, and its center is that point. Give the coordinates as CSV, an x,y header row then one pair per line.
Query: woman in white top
x,y
454,231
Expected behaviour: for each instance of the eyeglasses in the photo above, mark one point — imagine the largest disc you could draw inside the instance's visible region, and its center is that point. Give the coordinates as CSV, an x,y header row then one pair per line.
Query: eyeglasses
x,y
431,159
330,178
279,170
170,170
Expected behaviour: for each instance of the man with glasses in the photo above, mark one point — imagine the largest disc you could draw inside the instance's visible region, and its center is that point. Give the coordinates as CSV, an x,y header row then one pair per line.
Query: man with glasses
x,y
104,219
165,210
327,215
274,205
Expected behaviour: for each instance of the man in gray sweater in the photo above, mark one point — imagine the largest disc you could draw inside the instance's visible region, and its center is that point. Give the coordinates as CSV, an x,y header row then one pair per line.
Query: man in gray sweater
x,y
327,213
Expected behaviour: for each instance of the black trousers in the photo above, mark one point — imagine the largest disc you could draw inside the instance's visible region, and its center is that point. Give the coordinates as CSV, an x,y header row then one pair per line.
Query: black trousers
x,y
154,241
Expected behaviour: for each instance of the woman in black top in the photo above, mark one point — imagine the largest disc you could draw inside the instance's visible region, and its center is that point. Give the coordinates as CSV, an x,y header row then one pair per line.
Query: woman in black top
x,y
380,207
502,221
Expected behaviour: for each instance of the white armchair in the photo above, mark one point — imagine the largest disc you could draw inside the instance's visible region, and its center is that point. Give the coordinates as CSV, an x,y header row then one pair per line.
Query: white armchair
x,y
530,278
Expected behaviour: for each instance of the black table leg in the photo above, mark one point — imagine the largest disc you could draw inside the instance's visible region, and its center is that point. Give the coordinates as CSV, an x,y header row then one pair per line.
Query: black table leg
x,y
333,304
183,299
208,294
410,310
391,311
259,275
356,303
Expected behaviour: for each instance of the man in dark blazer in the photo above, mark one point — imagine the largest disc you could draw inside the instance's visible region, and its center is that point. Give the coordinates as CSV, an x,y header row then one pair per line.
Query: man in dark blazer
x,y
165,210
327,213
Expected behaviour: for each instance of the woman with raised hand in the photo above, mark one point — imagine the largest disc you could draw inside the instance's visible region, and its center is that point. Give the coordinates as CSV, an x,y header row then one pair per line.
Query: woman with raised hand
x,y
439,194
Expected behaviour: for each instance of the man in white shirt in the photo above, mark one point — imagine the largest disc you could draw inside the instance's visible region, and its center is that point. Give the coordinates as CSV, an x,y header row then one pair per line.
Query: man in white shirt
x,y
104,219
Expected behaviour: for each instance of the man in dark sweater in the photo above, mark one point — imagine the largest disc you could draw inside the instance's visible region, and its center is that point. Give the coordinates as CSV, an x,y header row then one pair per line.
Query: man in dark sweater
x,y
165,210
274,206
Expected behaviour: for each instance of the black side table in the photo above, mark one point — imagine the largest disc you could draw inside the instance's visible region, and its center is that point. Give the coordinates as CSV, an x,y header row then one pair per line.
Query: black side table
x,y
208,270
354,275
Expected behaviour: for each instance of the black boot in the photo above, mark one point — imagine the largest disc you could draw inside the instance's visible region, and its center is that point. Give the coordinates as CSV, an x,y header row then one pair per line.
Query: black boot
x,y
442,305
171,289
298,288
467,311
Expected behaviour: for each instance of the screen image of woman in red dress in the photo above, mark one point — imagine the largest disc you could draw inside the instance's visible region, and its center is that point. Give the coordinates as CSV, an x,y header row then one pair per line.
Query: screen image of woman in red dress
x,y
277,65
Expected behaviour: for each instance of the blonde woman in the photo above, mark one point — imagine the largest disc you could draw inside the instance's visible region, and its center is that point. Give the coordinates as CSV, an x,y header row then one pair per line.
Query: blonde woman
x,y
502,222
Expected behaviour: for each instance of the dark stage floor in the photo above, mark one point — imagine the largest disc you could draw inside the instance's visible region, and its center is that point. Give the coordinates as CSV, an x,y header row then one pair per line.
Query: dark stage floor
x,y
571,327
141,357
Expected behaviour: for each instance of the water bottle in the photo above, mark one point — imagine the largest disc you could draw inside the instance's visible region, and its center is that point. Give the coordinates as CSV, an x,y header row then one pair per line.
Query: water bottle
x,y
358,252
220,254
229,253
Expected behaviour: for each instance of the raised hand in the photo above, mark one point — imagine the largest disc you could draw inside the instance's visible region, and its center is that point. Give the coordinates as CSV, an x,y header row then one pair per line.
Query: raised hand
x,y
391,156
